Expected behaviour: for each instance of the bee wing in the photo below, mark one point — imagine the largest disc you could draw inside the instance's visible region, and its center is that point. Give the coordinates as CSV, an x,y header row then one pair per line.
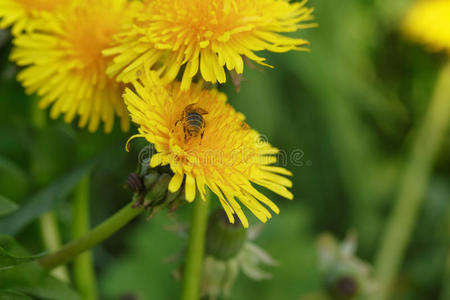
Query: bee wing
x,y
201,111
193,107
189,106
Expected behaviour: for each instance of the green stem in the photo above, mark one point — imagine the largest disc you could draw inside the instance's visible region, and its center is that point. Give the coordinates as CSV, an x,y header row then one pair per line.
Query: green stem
x,y
445,294
52,241
83,267
48,222
194,256
92,238
412,187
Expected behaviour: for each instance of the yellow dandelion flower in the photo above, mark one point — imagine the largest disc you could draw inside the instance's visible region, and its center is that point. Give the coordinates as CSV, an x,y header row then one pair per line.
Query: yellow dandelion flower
x,y
65,65
23,15
428,22
206,36
207,144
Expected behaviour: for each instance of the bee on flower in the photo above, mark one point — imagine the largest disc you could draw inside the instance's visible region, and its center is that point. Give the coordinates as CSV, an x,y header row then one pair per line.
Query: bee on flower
x,y
210,147
205,37
193,121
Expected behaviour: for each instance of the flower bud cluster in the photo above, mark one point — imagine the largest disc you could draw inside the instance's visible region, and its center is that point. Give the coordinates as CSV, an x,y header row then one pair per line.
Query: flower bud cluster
x,y
150,186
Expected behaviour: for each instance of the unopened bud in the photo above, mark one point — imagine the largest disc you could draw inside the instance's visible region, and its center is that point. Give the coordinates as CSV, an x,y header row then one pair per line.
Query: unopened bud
x,y
150,179
179,200
344,287
158,191
345,276
135,183
223,239
142,168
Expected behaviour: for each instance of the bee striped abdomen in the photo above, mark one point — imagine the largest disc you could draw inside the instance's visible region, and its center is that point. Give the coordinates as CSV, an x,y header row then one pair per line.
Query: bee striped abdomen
x,y
192,120
194,123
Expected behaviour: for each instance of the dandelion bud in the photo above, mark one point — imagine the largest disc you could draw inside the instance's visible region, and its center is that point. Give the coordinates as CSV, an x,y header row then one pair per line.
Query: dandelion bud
x,y
344,287
345,276
150,179
172,197
158,191
223,239
230,251
134,183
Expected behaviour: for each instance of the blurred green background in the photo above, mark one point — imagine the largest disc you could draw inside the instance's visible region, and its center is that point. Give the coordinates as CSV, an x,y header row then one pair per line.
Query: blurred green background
x,y
349,108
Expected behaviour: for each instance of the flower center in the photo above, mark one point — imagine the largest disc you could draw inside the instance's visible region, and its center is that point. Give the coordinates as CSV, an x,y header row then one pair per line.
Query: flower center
x,y
198,20
89,32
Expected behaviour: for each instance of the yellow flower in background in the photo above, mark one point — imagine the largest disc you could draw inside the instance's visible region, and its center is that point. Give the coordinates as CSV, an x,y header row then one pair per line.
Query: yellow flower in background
x,y
207,143
64,63
23,15
206,36
428,22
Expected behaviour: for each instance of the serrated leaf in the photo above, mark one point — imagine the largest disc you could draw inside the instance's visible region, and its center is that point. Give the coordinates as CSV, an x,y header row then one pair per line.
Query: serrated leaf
x,y
7,206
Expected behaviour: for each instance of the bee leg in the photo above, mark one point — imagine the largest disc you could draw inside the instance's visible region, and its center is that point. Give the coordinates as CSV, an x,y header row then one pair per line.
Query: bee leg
x,y
175,126
185,135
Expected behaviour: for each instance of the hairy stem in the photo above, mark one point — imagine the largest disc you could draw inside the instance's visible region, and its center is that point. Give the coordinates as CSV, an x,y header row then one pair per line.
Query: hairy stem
x,y
194,257
412,187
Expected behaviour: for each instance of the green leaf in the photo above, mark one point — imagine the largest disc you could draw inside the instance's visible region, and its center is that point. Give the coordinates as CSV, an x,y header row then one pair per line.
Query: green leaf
x,y
50,288
11,255
43,201
7,206
29,278
13,295
8,260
